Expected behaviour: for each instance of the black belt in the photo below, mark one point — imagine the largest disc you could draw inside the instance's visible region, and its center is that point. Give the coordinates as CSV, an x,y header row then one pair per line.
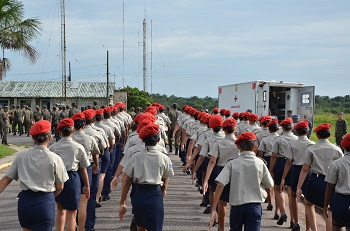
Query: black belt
x,y
318,174
148,186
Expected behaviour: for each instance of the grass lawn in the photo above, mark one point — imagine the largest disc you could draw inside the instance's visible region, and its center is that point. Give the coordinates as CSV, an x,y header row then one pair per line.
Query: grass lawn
x,y
6,151
330,119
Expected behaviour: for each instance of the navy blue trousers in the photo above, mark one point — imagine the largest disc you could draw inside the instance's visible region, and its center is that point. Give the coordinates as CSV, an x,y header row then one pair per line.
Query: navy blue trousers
x,y
247,215
340,207
91,204
109,174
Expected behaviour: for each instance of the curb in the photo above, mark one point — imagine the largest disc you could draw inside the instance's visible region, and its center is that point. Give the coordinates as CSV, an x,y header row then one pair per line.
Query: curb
x,y
5,165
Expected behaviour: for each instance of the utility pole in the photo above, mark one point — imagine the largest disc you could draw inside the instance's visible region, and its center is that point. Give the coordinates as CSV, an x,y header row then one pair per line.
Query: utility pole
x,y
63,50
144,56
151,63
107,80
123,46
69,72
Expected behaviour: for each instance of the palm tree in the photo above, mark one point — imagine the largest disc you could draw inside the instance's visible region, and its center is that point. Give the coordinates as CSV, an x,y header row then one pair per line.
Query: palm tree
x,y
16,33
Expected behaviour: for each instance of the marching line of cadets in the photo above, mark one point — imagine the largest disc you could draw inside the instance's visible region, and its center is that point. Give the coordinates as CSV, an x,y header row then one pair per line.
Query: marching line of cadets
x,y
240,160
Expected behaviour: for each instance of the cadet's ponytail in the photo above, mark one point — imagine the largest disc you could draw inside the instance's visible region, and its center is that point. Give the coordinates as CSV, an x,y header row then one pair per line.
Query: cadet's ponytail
x,y
79,123
66,131
41,138
216,129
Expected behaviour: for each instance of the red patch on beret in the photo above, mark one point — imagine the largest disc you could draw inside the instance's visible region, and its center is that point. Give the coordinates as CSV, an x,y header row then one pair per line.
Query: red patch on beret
x,y
78,116
90,113
215,121
301,124
67,122
222,111
107,110
230,122
146,115
215,110
286,121
253,117
272,122
322,127
345,143
99,112
235,115
151,109
143,124
40,127
246,136
149,130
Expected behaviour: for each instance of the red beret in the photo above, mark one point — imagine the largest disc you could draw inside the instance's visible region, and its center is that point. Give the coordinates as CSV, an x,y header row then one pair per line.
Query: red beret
x,y
216,110
149,130
151,109
222,111
253,117
143,124
122,105
78,116
146,115
245,114
215,121
67,122
322,127
136,119
202,119
230,122
235,114
207,118
115,108
90,113
227,112
246,136
107,110
40,127
286,121
301,124
196,113
99,112
272,122
264,119
184,108
345,143
161,107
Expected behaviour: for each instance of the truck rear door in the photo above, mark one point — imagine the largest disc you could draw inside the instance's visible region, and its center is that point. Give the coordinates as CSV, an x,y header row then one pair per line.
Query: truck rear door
x,y
306,104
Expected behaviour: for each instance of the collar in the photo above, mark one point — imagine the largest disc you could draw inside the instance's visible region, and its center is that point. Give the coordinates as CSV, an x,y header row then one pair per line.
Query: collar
x,y
151,148
303,137
247,153
230,136
347,153
66,138
323,141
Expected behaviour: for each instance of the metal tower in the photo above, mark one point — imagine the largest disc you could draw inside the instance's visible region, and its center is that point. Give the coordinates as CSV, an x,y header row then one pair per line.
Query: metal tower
x,y
144,57
63,50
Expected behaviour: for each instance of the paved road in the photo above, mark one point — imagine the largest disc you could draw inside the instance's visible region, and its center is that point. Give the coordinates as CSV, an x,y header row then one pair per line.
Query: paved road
x,y
182,211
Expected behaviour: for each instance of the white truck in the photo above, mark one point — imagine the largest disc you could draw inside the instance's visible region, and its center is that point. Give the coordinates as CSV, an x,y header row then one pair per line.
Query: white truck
x,y
295,98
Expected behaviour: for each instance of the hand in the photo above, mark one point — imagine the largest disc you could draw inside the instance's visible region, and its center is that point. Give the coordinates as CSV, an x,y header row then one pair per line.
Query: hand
x,y
299,192
122,147
114,183
193,177
95,169
122,211
205,187
86,191
325,211
213,217
182,147
272,175
186,167
164,193
282,185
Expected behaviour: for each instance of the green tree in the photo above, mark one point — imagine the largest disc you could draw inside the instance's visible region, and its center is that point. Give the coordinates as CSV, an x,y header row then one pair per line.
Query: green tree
x,y
16,33
137,98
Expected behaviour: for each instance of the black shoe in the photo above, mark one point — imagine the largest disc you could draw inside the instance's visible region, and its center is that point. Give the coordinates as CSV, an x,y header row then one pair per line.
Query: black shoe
x,y
89,229
291,224
28,135
98,205
276,217
6,144
207,210
269,207
296,227
183,163
266,200
203,204
105,198
282,219
176,151
189,172
170,150
200,190
133,226
14,133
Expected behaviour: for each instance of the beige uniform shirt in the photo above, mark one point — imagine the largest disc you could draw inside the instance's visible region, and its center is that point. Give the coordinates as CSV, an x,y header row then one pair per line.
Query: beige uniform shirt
x,y
149,167
225,150
113,126
339,174
119,123
296,149
202,137
132,141
241,127
262,134
253,128
97,135
100,130
108,131
138,148
89,143
248,176
38,169
72,153
209,142
320,155
267,143
196,133
282,142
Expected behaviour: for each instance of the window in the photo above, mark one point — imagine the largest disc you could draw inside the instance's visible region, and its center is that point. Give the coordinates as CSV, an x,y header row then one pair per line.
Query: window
x,y
305,98
264,96
4,102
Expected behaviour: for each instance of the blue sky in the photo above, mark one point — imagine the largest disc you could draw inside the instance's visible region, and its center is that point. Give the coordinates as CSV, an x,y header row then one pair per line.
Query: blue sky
x,y
197,45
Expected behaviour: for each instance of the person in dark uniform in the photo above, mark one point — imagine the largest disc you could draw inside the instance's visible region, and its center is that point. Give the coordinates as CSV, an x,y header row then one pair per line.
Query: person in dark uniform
x,y
74,158
45,113
55,119
6,118
317,158
150,170
37,116
248,176
17,120
41,174
27,120
338,181
273,103
341,128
